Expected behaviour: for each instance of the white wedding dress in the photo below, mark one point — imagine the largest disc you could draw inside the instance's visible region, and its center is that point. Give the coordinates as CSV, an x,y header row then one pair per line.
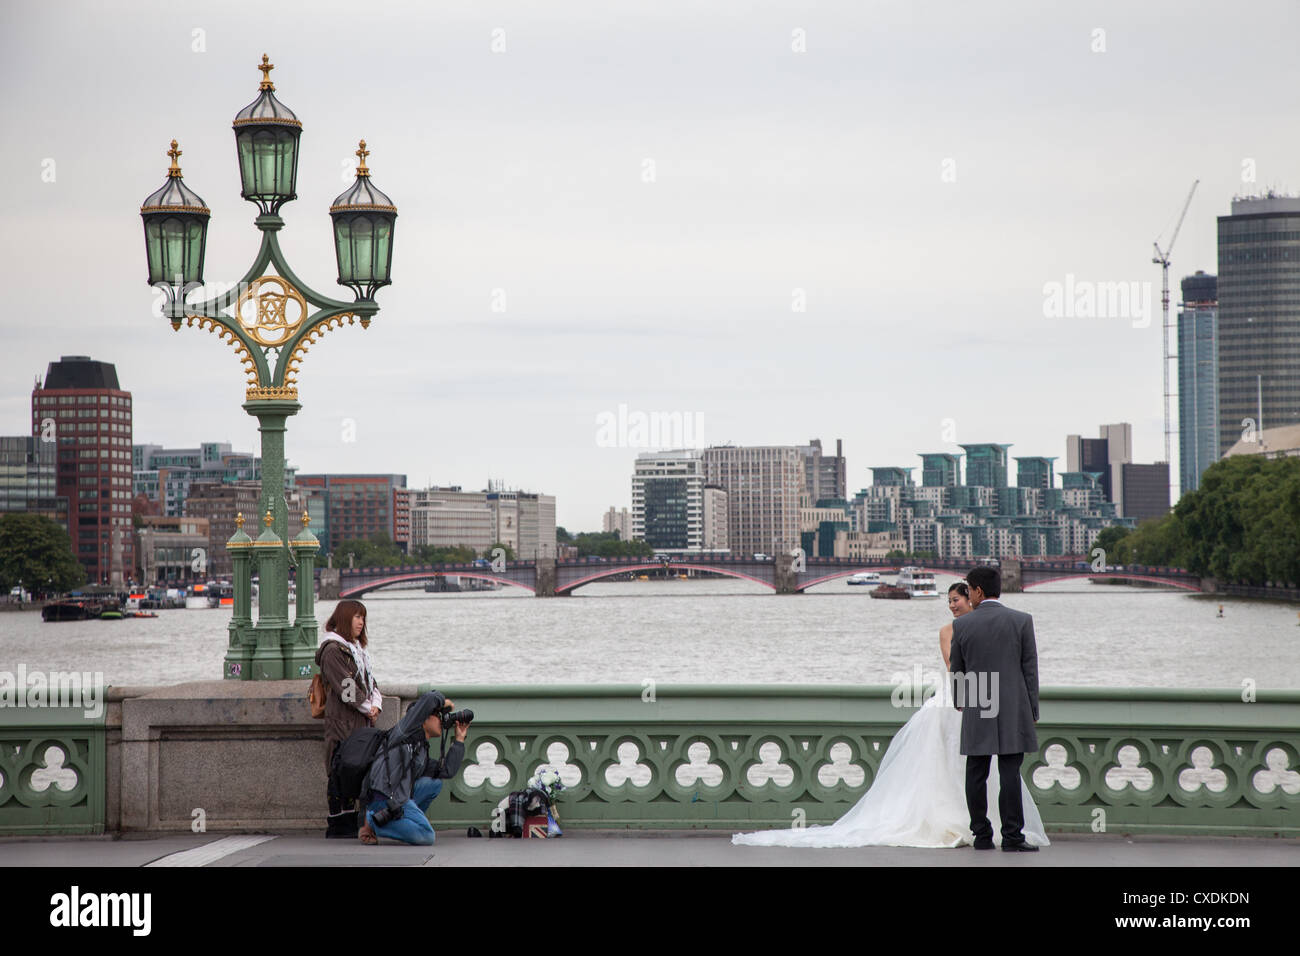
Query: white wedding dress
x,y
918,797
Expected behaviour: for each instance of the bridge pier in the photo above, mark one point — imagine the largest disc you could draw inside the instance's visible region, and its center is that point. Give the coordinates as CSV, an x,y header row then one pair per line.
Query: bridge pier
x,y
1011,578
545,578
786,578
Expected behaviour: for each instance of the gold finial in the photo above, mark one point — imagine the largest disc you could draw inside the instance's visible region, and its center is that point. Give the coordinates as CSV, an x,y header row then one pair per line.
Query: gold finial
x,y
306,519
267,519
175,154
239,520
266,68
362,153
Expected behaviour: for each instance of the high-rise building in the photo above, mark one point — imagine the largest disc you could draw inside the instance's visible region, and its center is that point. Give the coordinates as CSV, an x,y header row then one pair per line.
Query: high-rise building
x,y
940,470
1198,379
1092,456
1146,490
1119,452
890,476
86,414
825,476
1104,456
1258,317
986,465
1034,472
28,479
402,518
763,484
668,500
357,507
619,522
715,519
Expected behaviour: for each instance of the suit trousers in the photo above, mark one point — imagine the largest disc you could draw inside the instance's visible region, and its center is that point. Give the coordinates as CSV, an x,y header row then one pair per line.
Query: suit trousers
x,y
1011,807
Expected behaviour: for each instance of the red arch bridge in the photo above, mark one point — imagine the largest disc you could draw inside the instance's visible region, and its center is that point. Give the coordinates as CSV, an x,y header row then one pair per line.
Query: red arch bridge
x,y
783,573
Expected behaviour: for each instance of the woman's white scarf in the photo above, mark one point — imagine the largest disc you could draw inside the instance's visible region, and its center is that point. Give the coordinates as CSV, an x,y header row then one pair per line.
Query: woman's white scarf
x,y
361,657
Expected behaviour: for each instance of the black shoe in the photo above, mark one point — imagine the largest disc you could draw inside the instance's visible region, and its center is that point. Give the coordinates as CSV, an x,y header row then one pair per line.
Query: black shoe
x,y
1019,848
984,844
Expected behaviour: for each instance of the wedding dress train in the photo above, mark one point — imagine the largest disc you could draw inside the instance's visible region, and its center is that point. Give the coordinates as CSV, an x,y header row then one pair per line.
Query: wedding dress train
x,y
918,798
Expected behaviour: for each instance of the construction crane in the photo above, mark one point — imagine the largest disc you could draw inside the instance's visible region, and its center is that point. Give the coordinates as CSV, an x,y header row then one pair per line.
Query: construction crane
x,y
1162,259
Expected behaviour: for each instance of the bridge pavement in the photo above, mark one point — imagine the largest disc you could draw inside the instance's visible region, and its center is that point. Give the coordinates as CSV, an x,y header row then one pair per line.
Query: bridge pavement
x,y
635,848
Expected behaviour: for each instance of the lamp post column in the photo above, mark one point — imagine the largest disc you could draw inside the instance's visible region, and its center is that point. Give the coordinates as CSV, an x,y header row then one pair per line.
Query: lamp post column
x,y
273,626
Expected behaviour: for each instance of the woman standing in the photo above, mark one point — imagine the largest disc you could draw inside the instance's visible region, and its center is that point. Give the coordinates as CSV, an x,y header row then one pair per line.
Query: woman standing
x,y
352,698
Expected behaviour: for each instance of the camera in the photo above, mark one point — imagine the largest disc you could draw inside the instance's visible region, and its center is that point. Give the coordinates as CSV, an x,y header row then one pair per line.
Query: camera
x,y
449,718
387,814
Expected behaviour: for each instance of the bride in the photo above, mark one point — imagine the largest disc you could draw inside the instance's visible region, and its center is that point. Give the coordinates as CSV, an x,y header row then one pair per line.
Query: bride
x,y
918,797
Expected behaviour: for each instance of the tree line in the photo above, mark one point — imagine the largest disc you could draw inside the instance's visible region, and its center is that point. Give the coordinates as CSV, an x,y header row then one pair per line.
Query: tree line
x,y
1241,526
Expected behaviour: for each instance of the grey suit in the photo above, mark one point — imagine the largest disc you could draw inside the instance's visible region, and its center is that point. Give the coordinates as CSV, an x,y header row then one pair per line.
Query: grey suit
x,y
994,639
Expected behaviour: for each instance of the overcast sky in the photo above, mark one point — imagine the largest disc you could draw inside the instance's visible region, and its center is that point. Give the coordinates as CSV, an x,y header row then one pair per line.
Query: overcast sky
x,y
651,190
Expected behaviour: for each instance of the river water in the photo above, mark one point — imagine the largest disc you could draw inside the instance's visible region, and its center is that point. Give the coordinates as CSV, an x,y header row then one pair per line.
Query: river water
x,y
714,630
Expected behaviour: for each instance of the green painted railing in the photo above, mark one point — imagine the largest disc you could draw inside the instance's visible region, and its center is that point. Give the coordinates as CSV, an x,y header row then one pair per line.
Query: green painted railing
x,y
732,757
52,771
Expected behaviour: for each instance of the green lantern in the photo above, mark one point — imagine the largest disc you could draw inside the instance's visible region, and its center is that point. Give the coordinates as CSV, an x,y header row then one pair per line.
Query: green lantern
x,y
175,230
266,140
363,233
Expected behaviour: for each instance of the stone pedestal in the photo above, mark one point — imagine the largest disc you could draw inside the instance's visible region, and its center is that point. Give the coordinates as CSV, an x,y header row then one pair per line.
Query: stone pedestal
x,y
329,584
247,754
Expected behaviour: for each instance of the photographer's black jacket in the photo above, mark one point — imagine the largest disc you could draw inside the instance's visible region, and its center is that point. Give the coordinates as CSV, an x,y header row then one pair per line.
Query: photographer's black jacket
x,y
395,776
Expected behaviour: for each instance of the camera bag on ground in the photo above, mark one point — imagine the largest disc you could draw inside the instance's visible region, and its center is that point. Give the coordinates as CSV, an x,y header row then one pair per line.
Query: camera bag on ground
x,y
520,805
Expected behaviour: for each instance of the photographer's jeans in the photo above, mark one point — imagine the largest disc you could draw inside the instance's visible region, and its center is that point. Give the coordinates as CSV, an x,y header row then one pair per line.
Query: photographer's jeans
x,y
412,826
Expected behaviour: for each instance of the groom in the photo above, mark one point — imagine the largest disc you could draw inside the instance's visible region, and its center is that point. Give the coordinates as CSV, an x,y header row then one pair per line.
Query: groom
x,y
994,662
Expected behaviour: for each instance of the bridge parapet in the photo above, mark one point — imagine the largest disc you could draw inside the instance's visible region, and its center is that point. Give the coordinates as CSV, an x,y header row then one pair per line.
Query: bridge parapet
x,y
645,756
731,757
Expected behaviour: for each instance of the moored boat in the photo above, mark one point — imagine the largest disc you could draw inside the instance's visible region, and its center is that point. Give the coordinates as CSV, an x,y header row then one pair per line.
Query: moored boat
x,y
71,609
198,598
891,591
865,577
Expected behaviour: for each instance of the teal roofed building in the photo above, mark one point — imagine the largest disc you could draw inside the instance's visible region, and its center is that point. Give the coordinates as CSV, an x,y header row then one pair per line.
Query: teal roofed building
x,y
986,465
940,470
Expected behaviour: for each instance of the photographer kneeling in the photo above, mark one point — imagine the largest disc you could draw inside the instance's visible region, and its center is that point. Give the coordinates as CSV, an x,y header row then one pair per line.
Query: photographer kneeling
x,y
404,780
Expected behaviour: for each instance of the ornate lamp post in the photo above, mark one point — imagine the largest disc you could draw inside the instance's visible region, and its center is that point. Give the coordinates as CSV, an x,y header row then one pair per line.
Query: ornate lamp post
x,y
268,320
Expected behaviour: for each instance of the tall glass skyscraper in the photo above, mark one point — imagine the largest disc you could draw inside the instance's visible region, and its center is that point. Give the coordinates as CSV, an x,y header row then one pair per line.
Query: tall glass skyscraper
x,y
1258,316
1198,379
